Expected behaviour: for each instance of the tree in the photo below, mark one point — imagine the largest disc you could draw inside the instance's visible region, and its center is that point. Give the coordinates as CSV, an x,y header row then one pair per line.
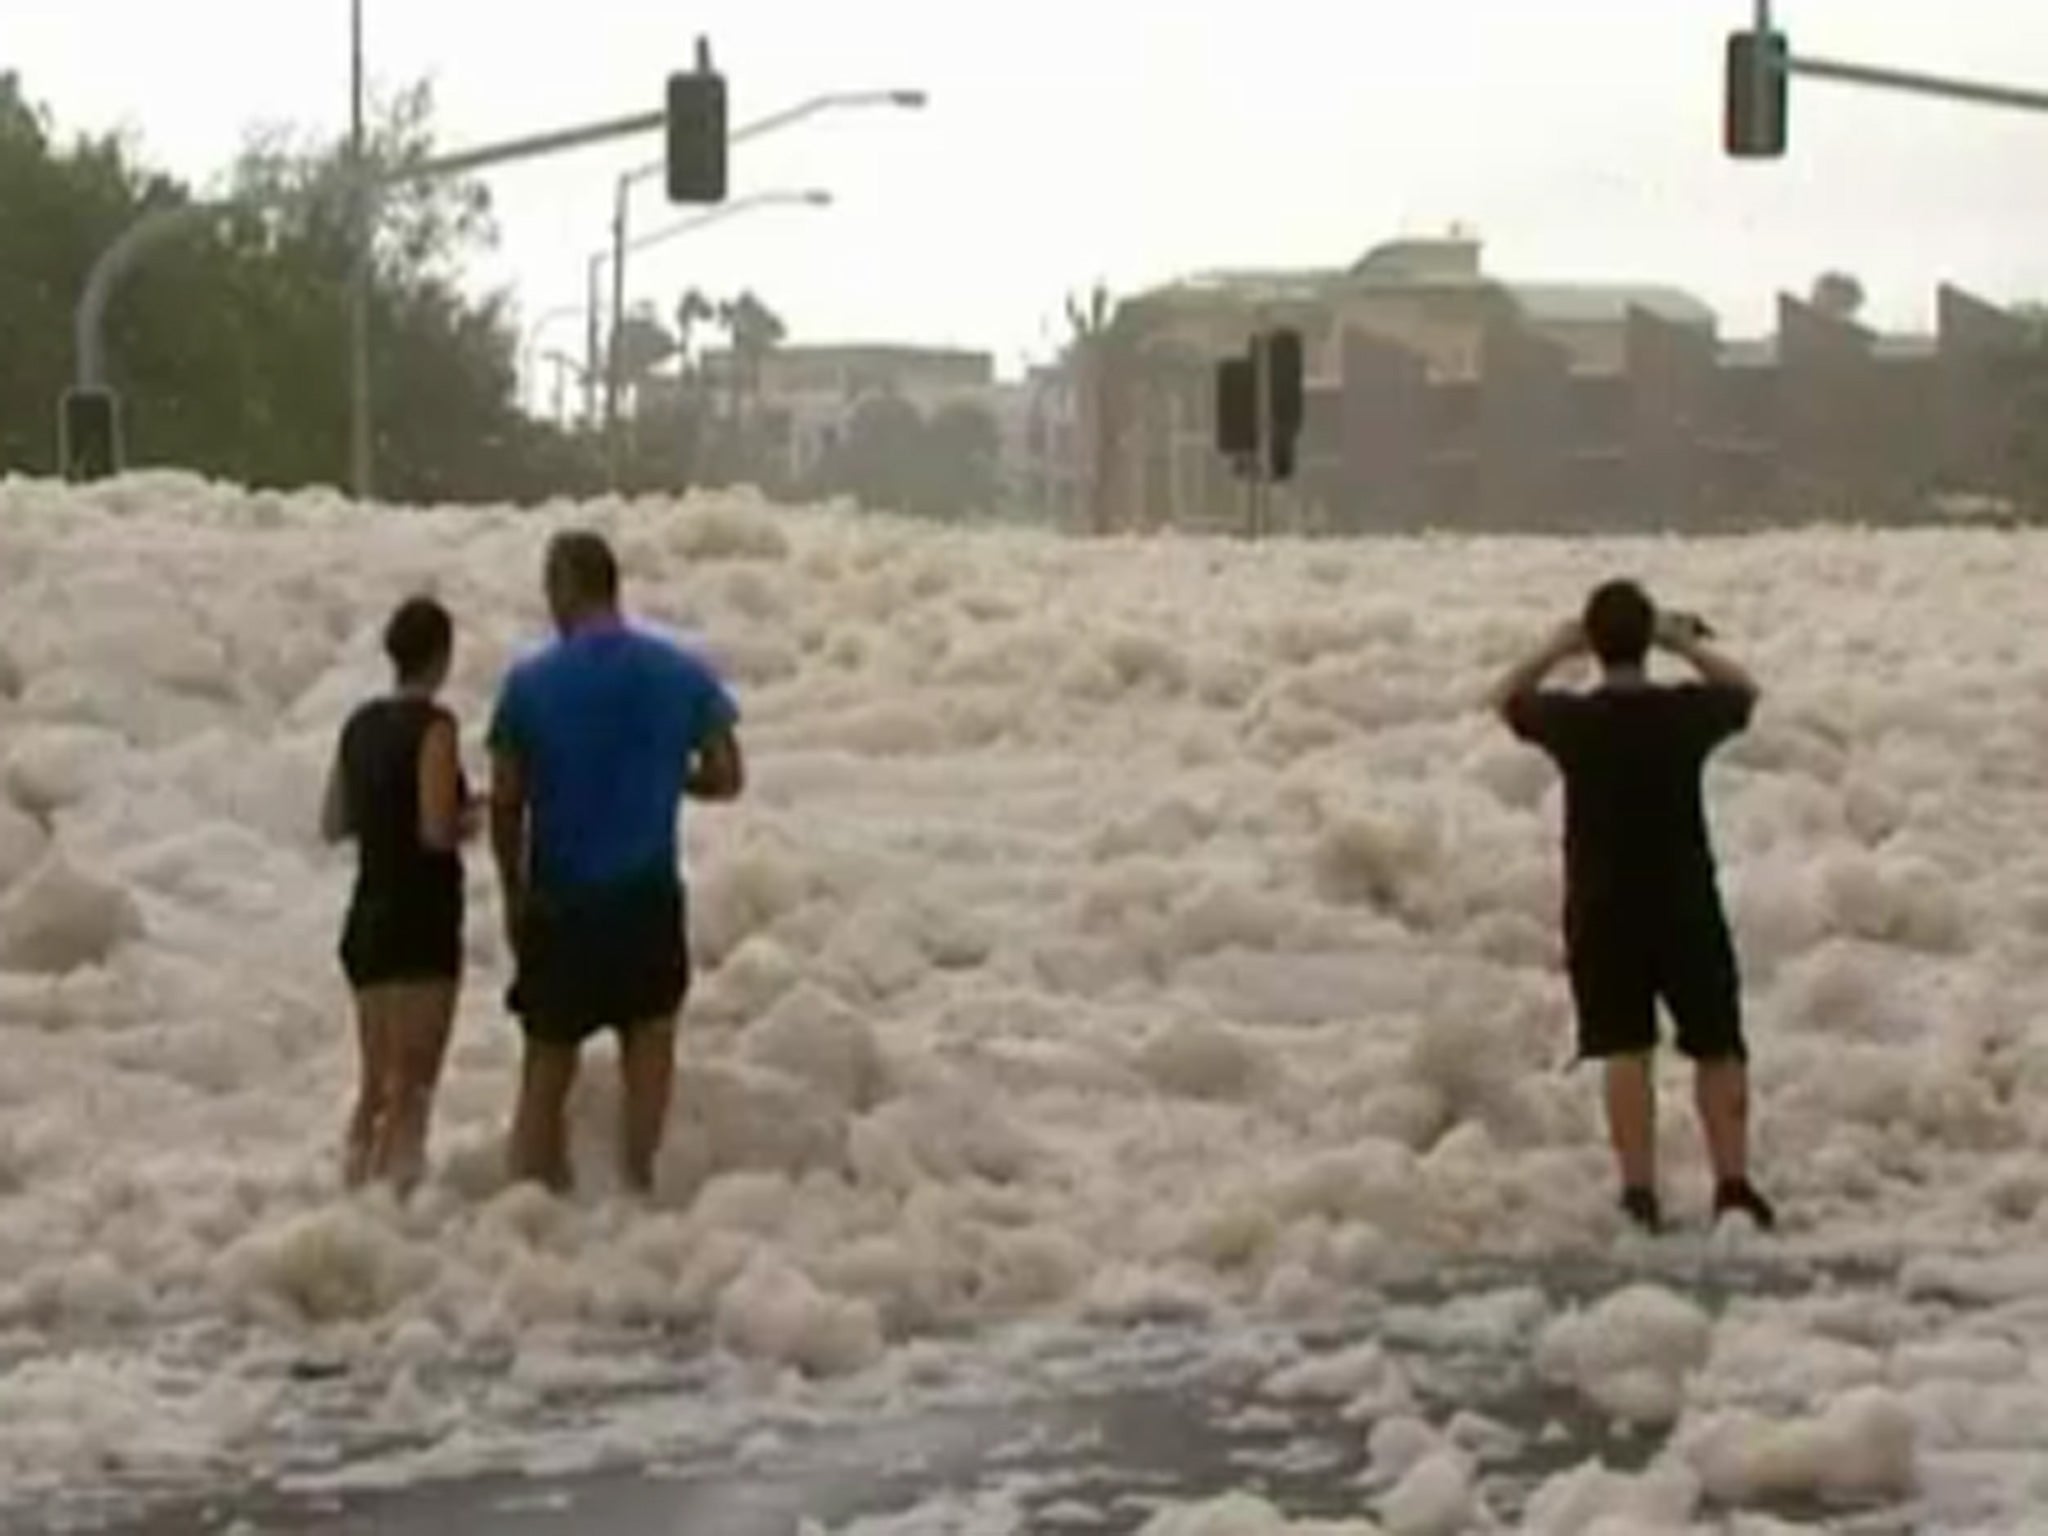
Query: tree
x,y
737,451
642,345
1101,355
874,457
962,463
1838,295
694,310
229,343
890,458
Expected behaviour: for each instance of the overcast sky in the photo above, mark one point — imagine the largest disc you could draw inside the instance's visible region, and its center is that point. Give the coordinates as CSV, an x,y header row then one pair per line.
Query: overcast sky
x,y
1135,140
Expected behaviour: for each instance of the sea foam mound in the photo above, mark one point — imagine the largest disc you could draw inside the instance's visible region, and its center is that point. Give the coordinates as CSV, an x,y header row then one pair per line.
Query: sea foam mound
x,y
1115,932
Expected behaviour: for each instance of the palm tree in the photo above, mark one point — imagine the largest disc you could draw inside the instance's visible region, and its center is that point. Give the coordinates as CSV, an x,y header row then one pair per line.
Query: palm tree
x,y
1838,295
692,312
1096,351
754,330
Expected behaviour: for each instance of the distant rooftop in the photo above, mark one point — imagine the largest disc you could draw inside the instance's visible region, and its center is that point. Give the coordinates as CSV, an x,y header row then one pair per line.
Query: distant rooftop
x,y
868,352
1438,263
1609,303
1762,351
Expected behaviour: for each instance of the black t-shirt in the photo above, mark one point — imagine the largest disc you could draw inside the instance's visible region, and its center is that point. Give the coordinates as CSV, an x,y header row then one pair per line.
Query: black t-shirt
x,y
380,776
1635,826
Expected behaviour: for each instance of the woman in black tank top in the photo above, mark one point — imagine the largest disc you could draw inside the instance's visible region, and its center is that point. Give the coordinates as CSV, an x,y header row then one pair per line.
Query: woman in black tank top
x,y
397,789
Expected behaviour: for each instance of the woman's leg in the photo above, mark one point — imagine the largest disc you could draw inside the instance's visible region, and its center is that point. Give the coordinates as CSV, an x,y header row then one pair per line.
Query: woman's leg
x,y
373,1042
423,1017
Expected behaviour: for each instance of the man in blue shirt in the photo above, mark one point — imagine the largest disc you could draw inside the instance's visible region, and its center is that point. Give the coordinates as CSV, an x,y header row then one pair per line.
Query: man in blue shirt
x,y
594,744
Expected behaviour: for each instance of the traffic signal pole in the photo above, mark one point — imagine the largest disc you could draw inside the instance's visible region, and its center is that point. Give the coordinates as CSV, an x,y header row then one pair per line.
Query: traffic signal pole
x,y
1259,416
1761,61
159,223
1262,402
1980,92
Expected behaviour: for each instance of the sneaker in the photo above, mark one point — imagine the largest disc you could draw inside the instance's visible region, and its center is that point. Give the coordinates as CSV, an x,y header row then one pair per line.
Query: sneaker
x,y
1641,1207
1740,1195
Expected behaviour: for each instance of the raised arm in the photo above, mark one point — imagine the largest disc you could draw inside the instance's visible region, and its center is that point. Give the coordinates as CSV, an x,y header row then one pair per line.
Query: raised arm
x,y
1527,675
1684,637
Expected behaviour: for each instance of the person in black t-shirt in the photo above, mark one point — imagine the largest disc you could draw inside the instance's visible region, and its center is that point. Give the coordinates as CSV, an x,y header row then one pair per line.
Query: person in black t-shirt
x,y
397,788
1643,918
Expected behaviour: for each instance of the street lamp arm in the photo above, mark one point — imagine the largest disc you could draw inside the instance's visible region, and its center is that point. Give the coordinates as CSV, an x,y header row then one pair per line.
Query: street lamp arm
x,y
113,263
718,215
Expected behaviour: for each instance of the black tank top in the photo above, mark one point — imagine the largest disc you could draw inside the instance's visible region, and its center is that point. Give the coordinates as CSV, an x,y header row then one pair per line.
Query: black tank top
x,y
380,775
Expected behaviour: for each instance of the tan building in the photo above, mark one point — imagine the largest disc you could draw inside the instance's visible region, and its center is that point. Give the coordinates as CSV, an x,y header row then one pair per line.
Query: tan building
x,y
1429,296
1430,299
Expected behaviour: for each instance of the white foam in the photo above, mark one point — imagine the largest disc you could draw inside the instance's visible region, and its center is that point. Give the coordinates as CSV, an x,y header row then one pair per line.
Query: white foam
x,y
1862,1445
1115,932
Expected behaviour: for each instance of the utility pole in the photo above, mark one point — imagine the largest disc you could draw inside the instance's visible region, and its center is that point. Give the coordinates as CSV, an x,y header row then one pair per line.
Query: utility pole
x,y
622,192
363,228
613,379
593,347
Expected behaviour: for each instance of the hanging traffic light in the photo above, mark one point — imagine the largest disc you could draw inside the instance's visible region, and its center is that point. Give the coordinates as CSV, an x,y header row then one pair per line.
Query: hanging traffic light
x,y
1757,92
1286,398
1261,404
696,135
89,434
1285,366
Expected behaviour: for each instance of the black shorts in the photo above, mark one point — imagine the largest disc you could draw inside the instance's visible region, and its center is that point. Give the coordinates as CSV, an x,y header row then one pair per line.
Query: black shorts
x,y
1622,969
608,959
400,934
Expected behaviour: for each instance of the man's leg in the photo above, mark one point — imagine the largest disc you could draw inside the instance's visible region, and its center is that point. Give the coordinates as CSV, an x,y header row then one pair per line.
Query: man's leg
x,y
540,1130
1632,1119
1617,1013
1706,1000
647,1070
1721,1090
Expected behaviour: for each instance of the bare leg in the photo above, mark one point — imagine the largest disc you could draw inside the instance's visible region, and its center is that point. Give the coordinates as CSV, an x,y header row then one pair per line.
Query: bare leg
x,y
1632,1120
1721,1090
647,1070
540,1131
373,1041
423,1017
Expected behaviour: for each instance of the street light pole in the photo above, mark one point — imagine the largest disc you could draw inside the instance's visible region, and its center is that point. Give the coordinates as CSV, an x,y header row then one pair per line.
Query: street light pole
x,y
592,341
622,190
360,469
611,372
808,198
531,384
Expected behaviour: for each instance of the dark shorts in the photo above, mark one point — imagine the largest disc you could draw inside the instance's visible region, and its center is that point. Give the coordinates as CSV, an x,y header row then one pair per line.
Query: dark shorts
x,y
609,959
405,934
1622,969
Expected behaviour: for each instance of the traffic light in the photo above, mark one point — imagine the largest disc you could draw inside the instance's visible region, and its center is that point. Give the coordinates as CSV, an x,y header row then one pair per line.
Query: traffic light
x,y
89,434
1237,409
696,136
1286,401
1284,385
1758,88
1249,428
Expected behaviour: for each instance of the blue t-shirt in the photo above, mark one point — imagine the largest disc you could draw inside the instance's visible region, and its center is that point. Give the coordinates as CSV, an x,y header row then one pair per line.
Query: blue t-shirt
x,y
605,723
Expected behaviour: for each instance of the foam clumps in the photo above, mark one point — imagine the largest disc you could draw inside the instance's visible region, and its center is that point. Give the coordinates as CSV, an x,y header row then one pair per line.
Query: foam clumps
x,y
1120,933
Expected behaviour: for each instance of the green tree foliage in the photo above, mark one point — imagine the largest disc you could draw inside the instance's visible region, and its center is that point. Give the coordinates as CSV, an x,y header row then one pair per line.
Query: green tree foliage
x,y
229,342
